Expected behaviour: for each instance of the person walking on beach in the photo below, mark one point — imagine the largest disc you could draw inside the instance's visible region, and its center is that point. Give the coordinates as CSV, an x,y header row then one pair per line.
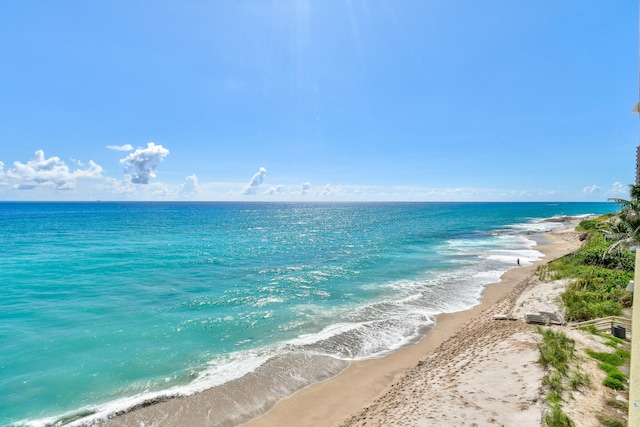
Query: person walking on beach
x,y
518,262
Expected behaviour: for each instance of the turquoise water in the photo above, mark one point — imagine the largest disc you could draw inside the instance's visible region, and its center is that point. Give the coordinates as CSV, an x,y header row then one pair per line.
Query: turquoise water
x,y
103,304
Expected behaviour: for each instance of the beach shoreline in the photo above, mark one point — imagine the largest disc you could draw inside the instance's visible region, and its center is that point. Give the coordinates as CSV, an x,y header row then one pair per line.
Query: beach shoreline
x,y
335,400
348,388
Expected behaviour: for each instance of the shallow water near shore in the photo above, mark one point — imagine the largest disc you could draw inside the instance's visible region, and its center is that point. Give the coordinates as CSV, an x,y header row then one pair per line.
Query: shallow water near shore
x,y
107,305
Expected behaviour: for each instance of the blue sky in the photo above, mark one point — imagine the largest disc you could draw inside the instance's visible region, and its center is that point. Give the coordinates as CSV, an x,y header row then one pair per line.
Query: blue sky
x,y
433,100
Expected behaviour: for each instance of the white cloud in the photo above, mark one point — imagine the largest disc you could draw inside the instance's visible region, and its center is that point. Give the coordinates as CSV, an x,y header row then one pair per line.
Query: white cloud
x,y
126,147
256,180
331,191
619,188
306,187
47,172
43,178
143,163
125,189
116,187
278,189
591,190
190,186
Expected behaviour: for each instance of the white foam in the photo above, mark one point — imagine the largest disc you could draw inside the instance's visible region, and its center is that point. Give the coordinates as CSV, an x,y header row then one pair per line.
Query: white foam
x,y
326,333
220,371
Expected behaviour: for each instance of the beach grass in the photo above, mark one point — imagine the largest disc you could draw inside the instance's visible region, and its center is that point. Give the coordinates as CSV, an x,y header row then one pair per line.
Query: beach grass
x,y
615,379
559,357
556,350
614,403
611,422
617,358
557,418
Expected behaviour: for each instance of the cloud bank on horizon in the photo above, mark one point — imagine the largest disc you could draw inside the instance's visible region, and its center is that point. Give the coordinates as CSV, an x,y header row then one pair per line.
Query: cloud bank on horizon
x,y
42,178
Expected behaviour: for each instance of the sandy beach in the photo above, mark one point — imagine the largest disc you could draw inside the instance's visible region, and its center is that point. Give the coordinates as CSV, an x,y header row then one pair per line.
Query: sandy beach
x,y
471,369
482,373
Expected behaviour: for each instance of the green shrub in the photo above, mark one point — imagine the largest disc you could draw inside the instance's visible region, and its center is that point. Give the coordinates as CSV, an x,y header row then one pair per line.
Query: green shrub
x,y
588,224
593,223
585,305
601,278
613,383
593,251
607,368
617,375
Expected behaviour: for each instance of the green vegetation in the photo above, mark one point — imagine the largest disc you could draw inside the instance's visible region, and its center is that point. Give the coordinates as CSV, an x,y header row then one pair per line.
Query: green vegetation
x,y
615,379
593,223
613,383
611,422
614,403
599,273
617,358
602,268
600,280
555,386
579,380
611,340
591,329
556,350
558,356
618,376
614,342
613,371
557,418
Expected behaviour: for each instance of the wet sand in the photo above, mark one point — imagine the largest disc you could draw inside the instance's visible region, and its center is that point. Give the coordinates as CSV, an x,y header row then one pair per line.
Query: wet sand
x,y
397,389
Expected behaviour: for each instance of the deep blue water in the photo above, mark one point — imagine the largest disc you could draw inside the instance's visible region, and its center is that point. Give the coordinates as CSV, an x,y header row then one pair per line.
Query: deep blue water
x,y
103,303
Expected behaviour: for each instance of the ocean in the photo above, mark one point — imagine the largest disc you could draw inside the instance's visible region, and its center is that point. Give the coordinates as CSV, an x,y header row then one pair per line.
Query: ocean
x,y
106,305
